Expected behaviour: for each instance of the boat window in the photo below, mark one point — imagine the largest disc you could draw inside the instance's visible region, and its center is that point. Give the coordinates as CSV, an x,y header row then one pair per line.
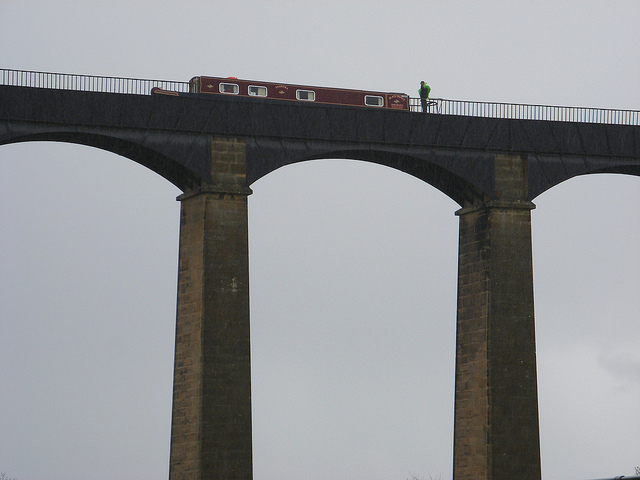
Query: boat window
x,y
257,91
308,95
229,88
374,101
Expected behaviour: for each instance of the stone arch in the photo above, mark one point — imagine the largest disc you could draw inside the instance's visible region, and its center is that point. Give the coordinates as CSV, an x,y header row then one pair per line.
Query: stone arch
x,y
553,171
134,149
436,168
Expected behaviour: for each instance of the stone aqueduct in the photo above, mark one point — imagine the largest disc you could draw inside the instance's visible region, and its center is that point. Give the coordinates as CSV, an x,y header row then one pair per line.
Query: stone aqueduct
x,y
214,149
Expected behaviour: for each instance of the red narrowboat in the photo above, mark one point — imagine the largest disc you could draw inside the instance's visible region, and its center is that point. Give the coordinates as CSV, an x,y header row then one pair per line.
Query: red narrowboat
x,y
300,93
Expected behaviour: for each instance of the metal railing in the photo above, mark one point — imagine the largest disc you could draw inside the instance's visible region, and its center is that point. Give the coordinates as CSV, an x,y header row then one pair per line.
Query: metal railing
x,y
91,83
528,112
87,83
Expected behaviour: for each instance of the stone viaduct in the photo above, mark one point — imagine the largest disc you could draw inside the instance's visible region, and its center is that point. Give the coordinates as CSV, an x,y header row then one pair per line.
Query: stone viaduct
x,y
213,149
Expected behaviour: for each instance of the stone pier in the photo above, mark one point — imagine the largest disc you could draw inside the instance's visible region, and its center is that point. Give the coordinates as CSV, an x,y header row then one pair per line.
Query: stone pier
x,y
211,424
496,433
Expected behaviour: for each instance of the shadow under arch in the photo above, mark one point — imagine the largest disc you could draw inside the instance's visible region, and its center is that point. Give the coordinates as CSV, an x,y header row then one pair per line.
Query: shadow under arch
x,y
160,163
586,265
439,169
353,319
553,171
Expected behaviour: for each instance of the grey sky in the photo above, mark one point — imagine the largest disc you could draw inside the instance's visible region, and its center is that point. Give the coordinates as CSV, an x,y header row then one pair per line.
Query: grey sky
x,y
353,265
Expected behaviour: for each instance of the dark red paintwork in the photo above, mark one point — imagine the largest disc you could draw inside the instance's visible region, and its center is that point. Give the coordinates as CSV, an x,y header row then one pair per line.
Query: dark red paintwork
x,y
279,91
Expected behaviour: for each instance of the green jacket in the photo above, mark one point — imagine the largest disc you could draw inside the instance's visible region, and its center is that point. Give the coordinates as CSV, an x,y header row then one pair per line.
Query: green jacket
x,y
424,91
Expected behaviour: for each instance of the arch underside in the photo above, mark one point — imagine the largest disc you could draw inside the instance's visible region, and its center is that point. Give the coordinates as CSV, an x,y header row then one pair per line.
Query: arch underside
x,y
464,177
467,177
193,170
452,185
156,159
546,172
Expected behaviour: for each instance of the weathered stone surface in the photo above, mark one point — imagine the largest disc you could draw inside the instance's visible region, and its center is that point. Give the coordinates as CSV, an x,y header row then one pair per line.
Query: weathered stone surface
x,y
496,434
211,426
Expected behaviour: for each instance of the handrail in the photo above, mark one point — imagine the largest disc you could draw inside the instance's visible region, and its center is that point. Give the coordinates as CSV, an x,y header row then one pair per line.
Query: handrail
x,y
440,106
551,113
87,83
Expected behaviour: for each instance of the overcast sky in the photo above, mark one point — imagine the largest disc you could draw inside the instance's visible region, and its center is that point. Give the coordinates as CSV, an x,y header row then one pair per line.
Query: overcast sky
x,y
353,265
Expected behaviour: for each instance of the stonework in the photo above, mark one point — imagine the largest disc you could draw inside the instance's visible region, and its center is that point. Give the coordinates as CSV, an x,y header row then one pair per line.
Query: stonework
x,y
229,162
496,433
496,418
211,425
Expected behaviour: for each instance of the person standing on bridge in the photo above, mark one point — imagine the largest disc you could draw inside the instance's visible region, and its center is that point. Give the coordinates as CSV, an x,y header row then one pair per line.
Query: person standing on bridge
x,y
424,92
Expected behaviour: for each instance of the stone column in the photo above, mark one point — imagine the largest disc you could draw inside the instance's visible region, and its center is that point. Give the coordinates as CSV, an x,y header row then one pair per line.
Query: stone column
x,y
496,433
211,423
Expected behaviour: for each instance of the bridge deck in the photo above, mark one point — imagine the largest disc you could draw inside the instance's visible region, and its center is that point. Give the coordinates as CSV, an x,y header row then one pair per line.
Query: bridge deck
x,y
91,83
